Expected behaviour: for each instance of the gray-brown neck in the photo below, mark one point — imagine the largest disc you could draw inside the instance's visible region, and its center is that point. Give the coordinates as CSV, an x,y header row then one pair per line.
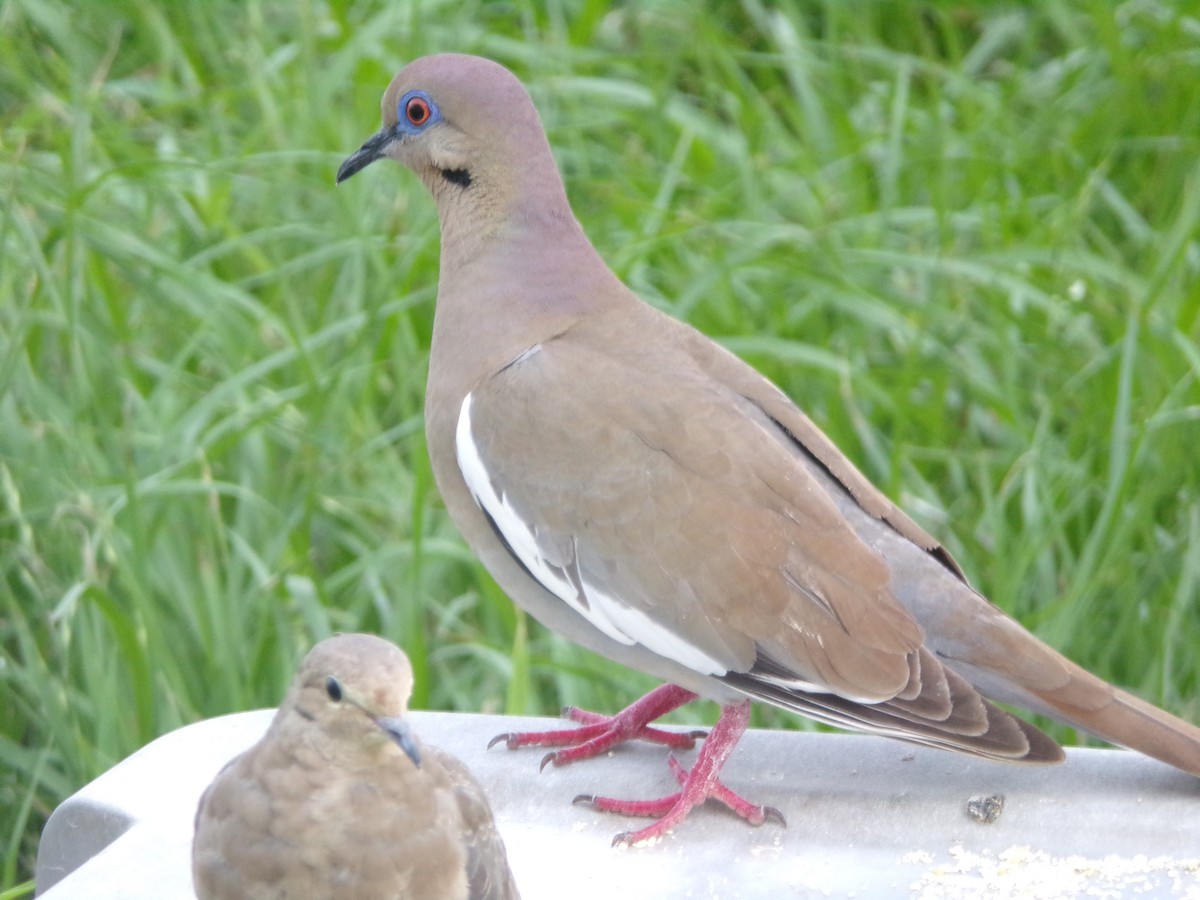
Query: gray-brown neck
x,y
516,266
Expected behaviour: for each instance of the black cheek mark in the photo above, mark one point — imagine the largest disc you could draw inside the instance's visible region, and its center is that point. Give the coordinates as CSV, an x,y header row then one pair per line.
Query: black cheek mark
x,y
461,177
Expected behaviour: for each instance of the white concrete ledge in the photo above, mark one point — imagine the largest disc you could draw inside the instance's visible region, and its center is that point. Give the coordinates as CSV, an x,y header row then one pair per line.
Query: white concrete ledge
x,y
867,817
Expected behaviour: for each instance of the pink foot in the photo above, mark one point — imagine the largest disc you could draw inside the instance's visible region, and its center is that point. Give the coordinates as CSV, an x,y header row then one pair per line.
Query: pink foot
x,y
599,734
700,784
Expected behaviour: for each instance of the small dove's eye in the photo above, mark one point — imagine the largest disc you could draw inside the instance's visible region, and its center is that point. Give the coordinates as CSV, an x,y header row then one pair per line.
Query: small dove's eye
x,y
333,689
417,111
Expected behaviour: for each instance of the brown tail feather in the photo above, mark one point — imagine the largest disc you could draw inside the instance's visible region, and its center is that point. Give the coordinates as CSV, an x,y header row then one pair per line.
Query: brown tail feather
x,y
976,726
1129,722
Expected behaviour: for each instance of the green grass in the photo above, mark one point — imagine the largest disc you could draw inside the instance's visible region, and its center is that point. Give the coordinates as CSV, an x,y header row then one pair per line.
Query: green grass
x,y
965,236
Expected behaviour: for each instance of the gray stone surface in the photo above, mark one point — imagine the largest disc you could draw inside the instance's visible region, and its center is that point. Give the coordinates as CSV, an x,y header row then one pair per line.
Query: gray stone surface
x,y
867,817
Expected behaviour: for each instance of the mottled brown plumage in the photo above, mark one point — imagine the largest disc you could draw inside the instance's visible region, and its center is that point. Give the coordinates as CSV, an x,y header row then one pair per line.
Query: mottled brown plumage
x,y
338,799
645,493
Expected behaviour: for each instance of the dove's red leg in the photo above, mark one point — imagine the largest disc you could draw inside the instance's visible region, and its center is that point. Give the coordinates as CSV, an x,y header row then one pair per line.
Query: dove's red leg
x,y
599,734
700,784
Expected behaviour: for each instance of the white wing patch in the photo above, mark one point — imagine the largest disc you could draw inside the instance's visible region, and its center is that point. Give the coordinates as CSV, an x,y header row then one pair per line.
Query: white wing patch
x,y
609,614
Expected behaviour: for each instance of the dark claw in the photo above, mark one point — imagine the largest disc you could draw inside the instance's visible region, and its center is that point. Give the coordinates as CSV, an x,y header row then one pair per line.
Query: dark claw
x,y
565,712
774,815
507,738
546,760
622,839
585,798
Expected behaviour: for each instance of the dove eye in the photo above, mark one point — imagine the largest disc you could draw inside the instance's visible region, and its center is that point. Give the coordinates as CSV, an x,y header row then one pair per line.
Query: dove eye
x,y
415,111
333,689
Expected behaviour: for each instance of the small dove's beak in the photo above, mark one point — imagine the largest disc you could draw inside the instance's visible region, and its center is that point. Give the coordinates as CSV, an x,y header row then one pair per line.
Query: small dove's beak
x,y
397,729
366,154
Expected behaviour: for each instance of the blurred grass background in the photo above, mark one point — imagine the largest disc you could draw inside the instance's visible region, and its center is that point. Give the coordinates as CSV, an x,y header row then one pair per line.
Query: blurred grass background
x,y
964,235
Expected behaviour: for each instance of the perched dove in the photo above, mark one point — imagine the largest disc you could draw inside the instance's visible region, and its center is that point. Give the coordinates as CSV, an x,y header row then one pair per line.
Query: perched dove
x,y
339,799
648,495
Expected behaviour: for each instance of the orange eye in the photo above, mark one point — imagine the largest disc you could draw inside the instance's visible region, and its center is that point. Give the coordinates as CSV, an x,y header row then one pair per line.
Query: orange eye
x,y
417,111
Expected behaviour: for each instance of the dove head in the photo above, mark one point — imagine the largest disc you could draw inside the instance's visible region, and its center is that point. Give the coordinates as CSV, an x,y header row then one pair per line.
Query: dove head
x,y
466,126
355,688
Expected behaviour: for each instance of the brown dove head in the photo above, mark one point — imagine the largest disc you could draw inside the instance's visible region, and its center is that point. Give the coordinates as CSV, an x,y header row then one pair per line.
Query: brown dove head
x,y
467,127
354,688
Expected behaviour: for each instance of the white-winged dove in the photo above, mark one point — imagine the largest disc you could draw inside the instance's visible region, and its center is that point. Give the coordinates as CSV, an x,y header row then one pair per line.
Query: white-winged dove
x,y
642,491
339,799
